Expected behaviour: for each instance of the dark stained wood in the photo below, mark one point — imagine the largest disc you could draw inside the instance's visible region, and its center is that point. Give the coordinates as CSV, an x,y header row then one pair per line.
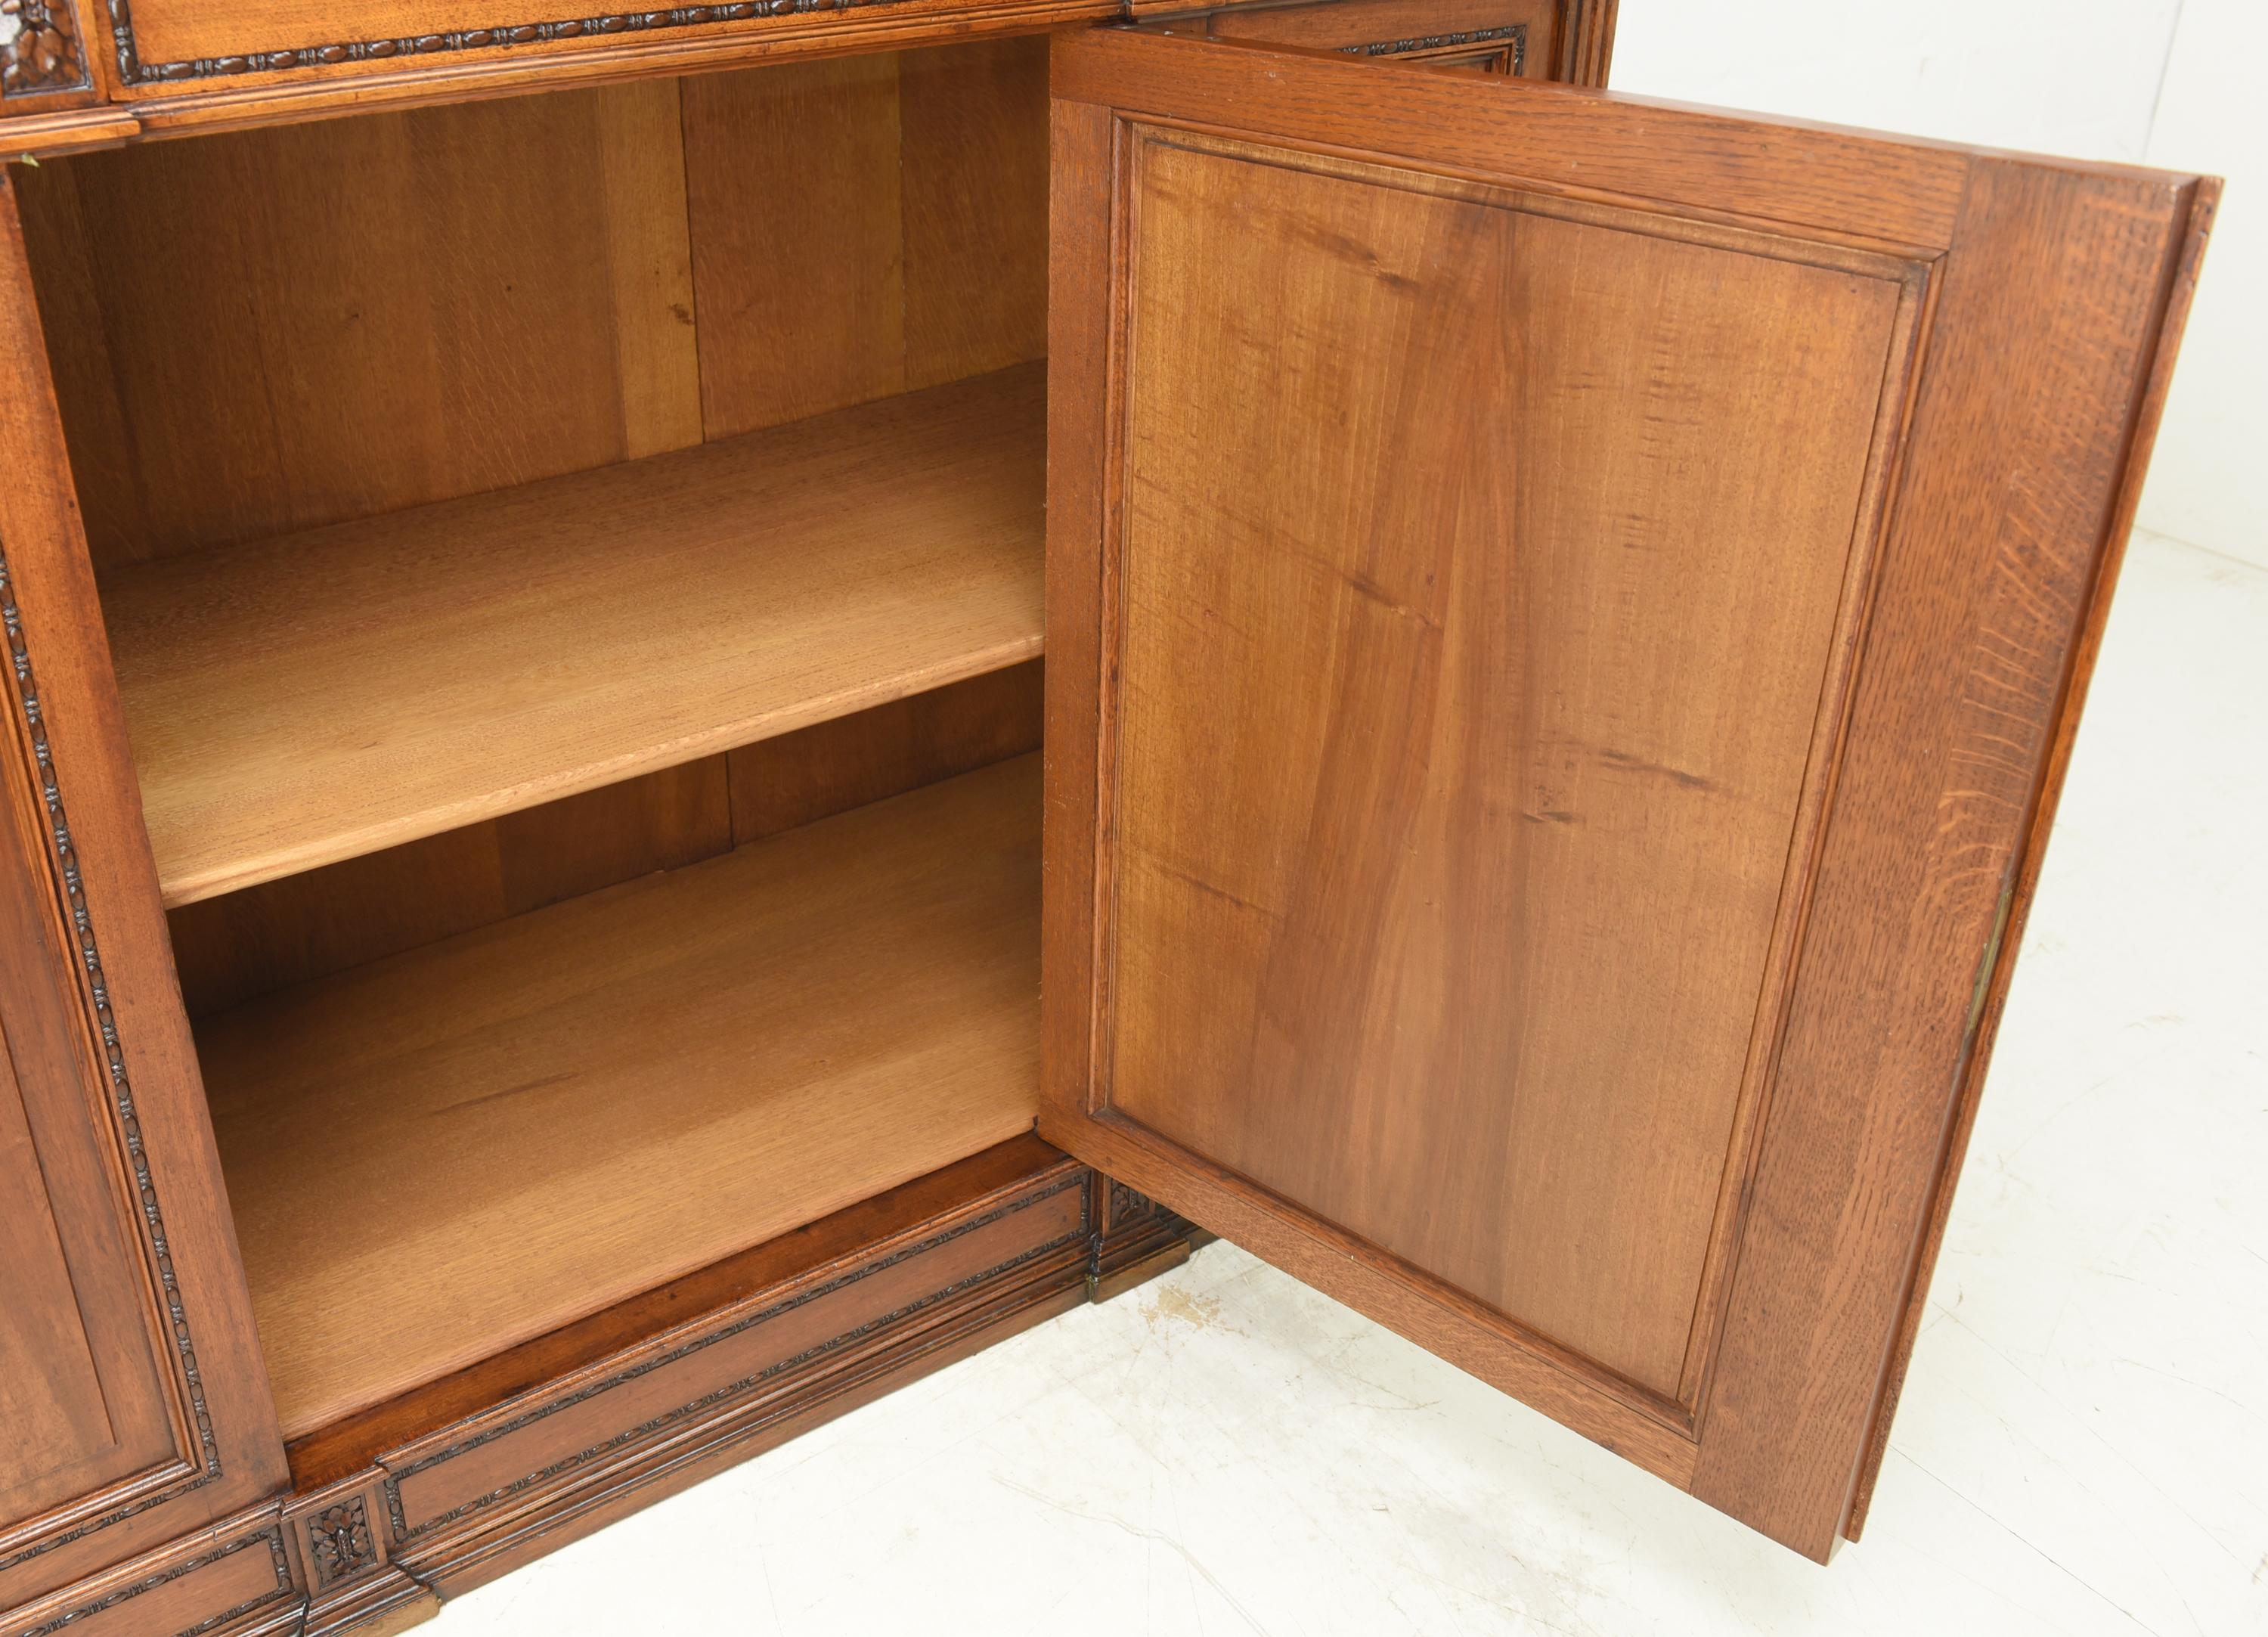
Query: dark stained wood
x,y
98,1052
2059,281
801,777
1381,618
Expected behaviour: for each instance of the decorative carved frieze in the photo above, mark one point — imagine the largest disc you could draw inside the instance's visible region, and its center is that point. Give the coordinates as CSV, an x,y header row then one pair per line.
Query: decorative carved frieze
x,y
43,51
339,1542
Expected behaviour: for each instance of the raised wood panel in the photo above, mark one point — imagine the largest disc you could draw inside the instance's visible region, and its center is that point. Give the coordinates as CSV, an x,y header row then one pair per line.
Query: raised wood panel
x,y
52,1416
1554,750
501,291
239,1578
161,1410
1750,587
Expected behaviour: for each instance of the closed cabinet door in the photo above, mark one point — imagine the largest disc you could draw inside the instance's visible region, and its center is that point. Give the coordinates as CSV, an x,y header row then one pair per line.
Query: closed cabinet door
x,y
133,1404
1564,619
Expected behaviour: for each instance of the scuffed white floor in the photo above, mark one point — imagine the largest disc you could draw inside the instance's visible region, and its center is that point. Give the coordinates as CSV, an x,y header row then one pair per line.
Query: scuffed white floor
x,y
2083,1445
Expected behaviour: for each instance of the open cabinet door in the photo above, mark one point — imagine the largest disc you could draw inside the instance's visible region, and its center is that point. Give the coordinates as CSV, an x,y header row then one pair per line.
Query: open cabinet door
x,y
1565,618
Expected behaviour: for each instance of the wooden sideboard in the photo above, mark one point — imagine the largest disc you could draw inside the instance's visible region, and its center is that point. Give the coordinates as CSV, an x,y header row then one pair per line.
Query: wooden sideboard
x,y
556,932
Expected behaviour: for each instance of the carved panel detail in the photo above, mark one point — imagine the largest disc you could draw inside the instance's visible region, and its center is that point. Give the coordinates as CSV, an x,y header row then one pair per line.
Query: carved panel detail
x,y
279,1561
133,71
41,50
404,1534
126,1120
1514,34
339,1542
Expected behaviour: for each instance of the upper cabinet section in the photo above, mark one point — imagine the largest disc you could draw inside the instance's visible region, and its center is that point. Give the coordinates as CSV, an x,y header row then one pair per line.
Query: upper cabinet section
x,y
81,74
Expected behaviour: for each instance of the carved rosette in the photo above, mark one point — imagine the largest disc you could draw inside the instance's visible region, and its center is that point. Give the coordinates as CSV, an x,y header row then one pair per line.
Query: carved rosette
x,y
42,47
339,1545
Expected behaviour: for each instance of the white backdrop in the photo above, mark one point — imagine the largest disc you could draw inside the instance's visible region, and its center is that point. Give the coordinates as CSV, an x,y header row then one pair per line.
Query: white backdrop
x,y
2178,83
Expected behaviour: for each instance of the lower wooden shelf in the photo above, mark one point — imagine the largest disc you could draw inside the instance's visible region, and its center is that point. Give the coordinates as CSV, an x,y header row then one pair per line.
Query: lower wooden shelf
x,y
443,1154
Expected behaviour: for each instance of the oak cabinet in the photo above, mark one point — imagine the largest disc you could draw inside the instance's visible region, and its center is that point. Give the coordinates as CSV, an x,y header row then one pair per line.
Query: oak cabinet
x,y
558,933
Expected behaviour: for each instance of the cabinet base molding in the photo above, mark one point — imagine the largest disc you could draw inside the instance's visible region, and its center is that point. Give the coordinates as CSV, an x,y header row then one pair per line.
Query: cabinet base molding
x,y
423,1498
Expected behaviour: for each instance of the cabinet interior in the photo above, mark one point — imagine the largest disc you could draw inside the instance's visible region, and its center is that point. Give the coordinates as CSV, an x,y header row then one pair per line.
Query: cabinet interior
x,y
572,565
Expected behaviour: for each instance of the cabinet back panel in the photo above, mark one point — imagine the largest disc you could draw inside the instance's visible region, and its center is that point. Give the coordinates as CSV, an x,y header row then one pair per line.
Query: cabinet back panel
x,y
263,331
241,945
301,326
904,246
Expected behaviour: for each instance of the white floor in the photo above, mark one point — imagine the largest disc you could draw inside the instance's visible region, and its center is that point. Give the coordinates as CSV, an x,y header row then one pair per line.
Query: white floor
x,y
2083,1446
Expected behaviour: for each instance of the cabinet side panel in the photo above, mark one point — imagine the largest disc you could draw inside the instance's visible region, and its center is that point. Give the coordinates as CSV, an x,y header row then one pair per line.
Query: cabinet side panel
x,y
2032,394
105,994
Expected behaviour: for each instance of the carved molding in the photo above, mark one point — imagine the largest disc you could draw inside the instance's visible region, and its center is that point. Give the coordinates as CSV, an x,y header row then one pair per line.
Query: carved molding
x,y
41,50
404,1534
340,1545
125,1118
1514,34
272,1537
133,71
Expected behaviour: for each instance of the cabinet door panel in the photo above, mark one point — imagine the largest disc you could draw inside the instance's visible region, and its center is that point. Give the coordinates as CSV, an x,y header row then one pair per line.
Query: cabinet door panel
x,y
1561,616
134,1408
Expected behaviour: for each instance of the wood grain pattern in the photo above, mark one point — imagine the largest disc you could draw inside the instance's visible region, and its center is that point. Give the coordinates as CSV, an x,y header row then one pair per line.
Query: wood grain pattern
x,y
334,1453
974,122
2013,452
1554,751
800,267
99,1049
800,778
503,294
904,247
1892,191
299,701
2057,288
2204,205
239,944
1357,24
819,1017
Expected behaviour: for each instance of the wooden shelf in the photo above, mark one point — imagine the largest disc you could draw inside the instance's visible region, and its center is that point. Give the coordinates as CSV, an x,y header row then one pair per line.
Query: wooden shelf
x,y
300,700
445,1153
